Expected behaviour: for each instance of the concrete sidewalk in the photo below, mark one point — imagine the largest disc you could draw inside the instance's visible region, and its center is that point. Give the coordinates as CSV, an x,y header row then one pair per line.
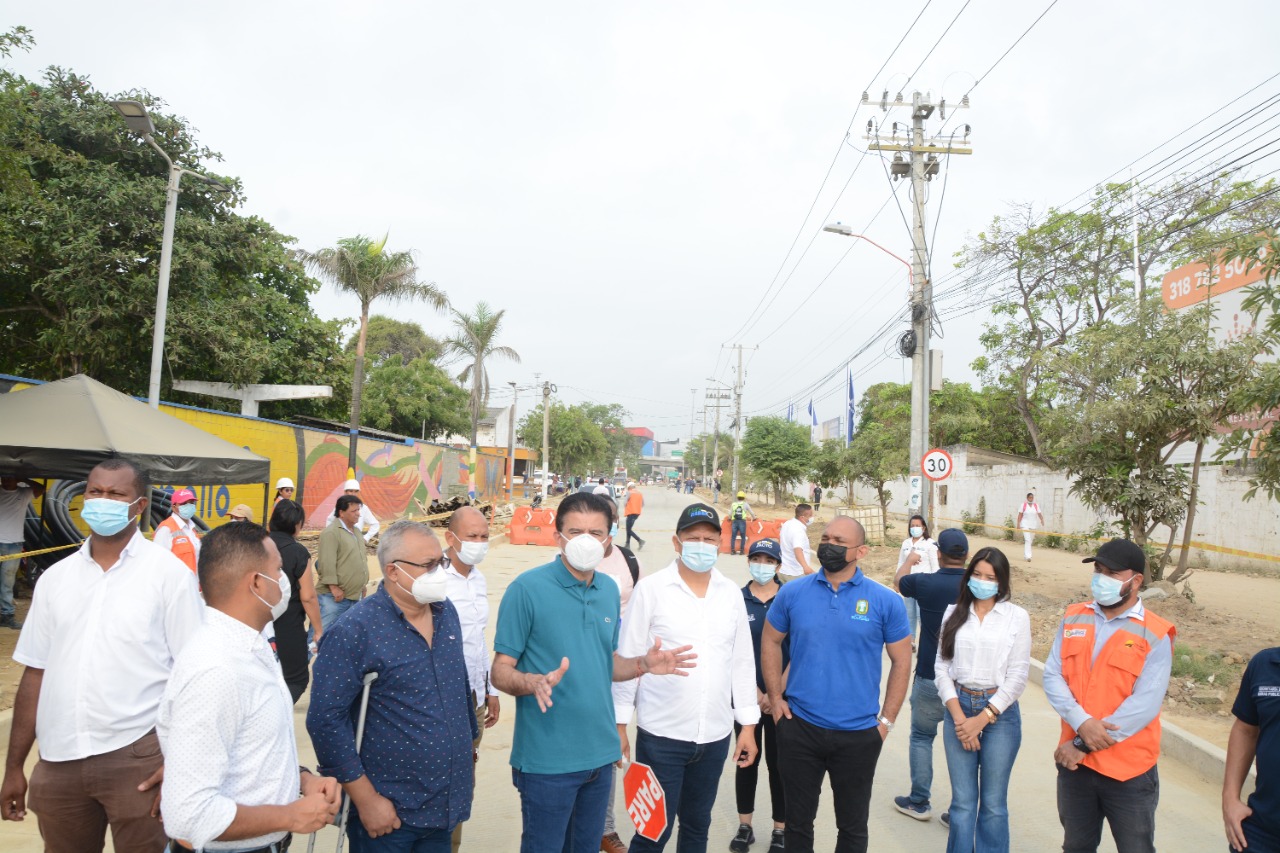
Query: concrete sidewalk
x,y
1188,820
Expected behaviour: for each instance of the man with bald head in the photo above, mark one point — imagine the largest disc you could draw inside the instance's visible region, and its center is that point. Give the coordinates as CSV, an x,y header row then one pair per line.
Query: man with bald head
x,y
420,706
466,545
829,717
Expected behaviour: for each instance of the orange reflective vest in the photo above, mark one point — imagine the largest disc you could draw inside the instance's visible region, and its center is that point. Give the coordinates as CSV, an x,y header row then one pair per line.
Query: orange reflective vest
x,y
183,547
1101,685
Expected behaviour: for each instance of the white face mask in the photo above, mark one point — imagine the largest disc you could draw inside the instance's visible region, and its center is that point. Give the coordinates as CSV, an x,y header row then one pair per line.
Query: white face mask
x,y
286,588
472,553
917,532
428,587
584,552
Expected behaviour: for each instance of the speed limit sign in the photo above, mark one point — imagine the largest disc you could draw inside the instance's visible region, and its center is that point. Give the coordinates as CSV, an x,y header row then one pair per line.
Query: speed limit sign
x,y
937,464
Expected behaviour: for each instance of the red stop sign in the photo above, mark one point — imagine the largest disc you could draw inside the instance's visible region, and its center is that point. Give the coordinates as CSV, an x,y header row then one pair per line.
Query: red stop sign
x,y
646,803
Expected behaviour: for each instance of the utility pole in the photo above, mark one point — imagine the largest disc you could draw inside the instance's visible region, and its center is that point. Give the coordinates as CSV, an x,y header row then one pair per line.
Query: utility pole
x,y
511,445
737,419
547,388
921,168
693,414
704,444
1137,276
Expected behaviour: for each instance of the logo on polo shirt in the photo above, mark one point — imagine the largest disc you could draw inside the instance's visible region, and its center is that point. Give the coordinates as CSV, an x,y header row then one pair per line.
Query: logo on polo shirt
x,y
862,607
1068,633
1268,691
607,620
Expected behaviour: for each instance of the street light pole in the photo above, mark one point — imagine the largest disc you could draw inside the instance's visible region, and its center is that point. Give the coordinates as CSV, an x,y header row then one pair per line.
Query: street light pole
x,y
511,446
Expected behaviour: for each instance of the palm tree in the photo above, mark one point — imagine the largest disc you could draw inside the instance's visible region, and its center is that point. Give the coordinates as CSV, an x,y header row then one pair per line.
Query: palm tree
x,y
474,338
364,267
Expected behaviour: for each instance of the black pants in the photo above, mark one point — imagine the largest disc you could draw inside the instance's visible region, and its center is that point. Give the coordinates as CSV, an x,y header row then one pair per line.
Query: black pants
x,y
807,753
631,521
745,778
1085,797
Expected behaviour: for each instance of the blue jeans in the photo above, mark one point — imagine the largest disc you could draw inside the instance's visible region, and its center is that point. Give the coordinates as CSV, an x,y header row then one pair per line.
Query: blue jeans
x,y
690,775
8,573
739,528
562,812
913,616
980,780
330,610
926,712
406,839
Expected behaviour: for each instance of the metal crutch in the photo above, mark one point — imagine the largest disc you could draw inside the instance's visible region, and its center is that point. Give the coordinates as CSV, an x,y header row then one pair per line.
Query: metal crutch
x,y
369,678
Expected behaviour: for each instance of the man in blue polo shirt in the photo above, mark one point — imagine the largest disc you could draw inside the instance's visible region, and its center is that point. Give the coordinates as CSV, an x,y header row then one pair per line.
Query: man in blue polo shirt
x,y
1255,734
558,631
830,720
934,592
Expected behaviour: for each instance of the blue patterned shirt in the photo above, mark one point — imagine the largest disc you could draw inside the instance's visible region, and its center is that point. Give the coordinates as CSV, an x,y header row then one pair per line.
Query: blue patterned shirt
x,y
421,719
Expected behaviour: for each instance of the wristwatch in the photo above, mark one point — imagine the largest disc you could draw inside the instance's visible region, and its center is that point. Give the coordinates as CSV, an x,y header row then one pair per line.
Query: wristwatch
x,y
886,722
1078,743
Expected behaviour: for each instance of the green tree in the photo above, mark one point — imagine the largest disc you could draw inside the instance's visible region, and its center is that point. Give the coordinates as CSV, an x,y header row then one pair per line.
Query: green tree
x,y
577,443
475,338
879,452
778,452
719,453
389,340
80,233
417,399
830,466
363,267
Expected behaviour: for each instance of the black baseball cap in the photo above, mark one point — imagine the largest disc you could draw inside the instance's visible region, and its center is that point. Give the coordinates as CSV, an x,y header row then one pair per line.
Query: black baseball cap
x,y
1120,555
697,514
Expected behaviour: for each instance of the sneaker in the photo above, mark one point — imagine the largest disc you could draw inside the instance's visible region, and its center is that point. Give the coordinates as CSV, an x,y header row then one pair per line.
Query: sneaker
x,y
611,843
946,819
778,841
10,621
744,839
919,811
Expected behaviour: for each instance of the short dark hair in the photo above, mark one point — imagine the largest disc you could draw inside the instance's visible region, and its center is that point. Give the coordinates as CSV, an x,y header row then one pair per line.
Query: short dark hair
x,y
582,502
344,503
227,555
141,482
287,517
801,509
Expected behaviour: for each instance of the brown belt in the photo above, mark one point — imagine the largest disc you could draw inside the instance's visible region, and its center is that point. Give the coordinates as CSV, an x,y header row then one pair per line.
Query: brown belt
x,y
985,691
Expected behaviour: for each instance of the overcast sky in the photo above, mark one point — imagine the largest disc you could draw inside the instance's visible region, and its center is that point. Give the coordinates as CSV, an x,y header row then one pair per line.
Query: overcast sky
x,y
625,179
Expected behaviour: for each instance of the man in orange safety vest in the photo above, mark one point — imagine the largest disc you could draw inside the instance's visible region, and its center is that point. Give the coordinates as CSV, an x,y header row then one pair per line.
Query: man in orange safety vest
x,y
178,532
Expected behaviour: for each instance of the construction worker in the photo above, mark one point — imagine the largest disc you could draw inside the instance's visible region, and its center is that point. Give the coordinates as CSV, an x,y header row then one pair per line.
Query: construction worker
x,y
738,512
177,533
284,489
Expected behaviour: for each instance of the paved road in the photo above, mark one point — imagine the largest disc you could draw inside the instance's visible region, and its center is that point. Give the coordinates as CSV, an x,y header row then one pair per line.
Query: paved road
x,y
1189,817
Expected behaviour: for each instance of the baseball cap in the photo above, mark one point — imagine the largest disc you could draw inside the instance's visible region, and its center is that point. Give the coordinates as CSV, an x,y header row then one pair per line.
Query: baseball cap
x,y
1120,555
351,486
953,542
698,514
182,496
241,511
284,483
768,547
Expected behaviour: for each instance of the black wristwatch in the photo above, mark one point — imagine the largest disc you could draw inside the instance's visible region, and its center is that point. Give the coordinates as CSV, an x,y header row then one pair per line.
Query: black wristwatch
x,y
1078,743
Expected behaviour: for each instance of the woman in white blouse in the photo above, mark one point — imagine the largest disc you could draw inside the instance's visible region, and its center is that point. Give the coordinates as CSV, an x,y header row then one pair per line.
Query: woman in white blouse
x,y
921,554
984,655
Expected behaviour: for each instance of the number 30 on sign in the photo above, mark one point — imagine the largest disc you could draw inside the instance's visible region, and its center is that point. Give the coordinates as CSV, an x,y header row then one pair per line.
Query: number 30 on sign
x,y
936,464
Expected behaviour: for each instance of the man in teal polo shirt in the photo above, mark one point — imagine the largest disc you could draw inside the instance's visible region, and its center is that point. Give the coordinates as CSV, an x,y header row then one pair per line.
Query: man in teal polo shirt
x,y
558,632
830,720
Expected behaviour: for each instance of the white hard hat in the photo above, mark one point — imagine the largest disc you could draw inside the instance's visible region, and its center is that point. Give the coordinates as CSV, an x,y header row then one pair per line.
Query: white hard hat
x,y
351,486
284,483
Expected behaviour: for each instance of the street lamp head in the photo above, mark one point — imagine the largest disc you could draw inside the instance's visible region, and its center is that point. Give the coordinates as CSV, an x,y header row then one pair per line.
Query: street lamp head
x,y
839,228
135,115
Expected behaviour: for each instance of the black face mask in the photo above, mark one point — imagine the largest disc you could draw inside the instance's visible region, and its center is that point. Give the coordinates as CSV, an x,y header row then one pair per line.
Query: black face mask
x,y
833,558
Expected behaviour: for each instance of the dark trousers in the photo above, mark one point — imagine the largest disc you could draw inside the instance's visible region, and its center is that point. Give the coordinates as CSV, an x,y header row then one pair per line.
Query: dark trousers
x,y
807,753
689,774
746,777
631,522
1085,797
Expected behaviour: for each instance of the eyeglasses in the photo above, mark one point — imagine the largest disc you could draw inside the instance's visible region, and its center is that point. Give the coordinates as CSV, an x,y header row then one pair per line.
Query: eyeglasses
x,y
427,567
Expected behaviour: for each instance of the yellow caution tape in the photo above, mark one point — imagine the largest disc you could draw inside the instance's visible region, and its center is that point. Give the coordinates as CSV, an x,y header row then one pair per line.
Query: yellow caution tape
x,y
38,553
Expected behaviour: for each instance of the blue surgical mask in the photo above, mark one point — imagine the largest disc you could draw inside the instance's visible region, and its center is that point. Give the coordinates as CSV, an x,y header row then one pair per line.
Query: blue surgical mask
x,y
982,590
762,572
1108,591
105,516
699,556
187,511
917,532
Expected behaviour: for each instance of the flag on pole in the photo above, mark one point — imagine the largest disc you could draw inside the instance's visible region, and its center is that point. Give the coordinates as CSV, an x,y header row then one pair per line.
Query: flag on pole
x,y
848,439
813,416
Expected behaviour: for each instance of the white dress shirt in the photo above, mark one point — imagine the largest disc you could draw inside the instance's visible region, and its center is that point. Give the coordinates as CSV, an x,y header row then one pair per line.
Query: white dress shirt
x,y
992,652
794,534
366,523
226,730
926,548
702,706
106,642
470,597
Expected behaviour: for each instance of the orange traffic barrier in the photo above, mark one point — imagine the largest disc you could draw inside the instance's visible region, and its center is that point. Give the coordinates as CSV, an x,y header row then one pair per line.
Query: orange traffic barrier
x,y
757,529
531,526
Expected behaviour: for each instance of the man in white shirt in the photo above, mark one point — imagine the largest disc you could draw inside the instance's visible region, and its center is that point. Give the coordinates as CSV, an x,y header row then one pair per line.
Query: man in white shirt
x,y
104,628
1030,520
367,522
466,545
794,539
232,780
15,497
686,724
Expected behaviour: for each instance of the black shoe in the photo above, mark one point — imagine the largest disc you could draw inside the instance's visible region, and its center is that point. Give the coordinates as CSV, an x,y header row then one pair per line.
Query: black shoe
x,y
641,548
946,819
778,841
10,621
743,840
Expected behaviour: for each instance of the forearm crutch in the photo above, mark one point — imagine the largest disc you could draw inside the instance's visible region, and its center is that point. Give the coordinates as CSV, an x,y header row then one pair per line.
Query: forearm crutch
x,y
369,678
